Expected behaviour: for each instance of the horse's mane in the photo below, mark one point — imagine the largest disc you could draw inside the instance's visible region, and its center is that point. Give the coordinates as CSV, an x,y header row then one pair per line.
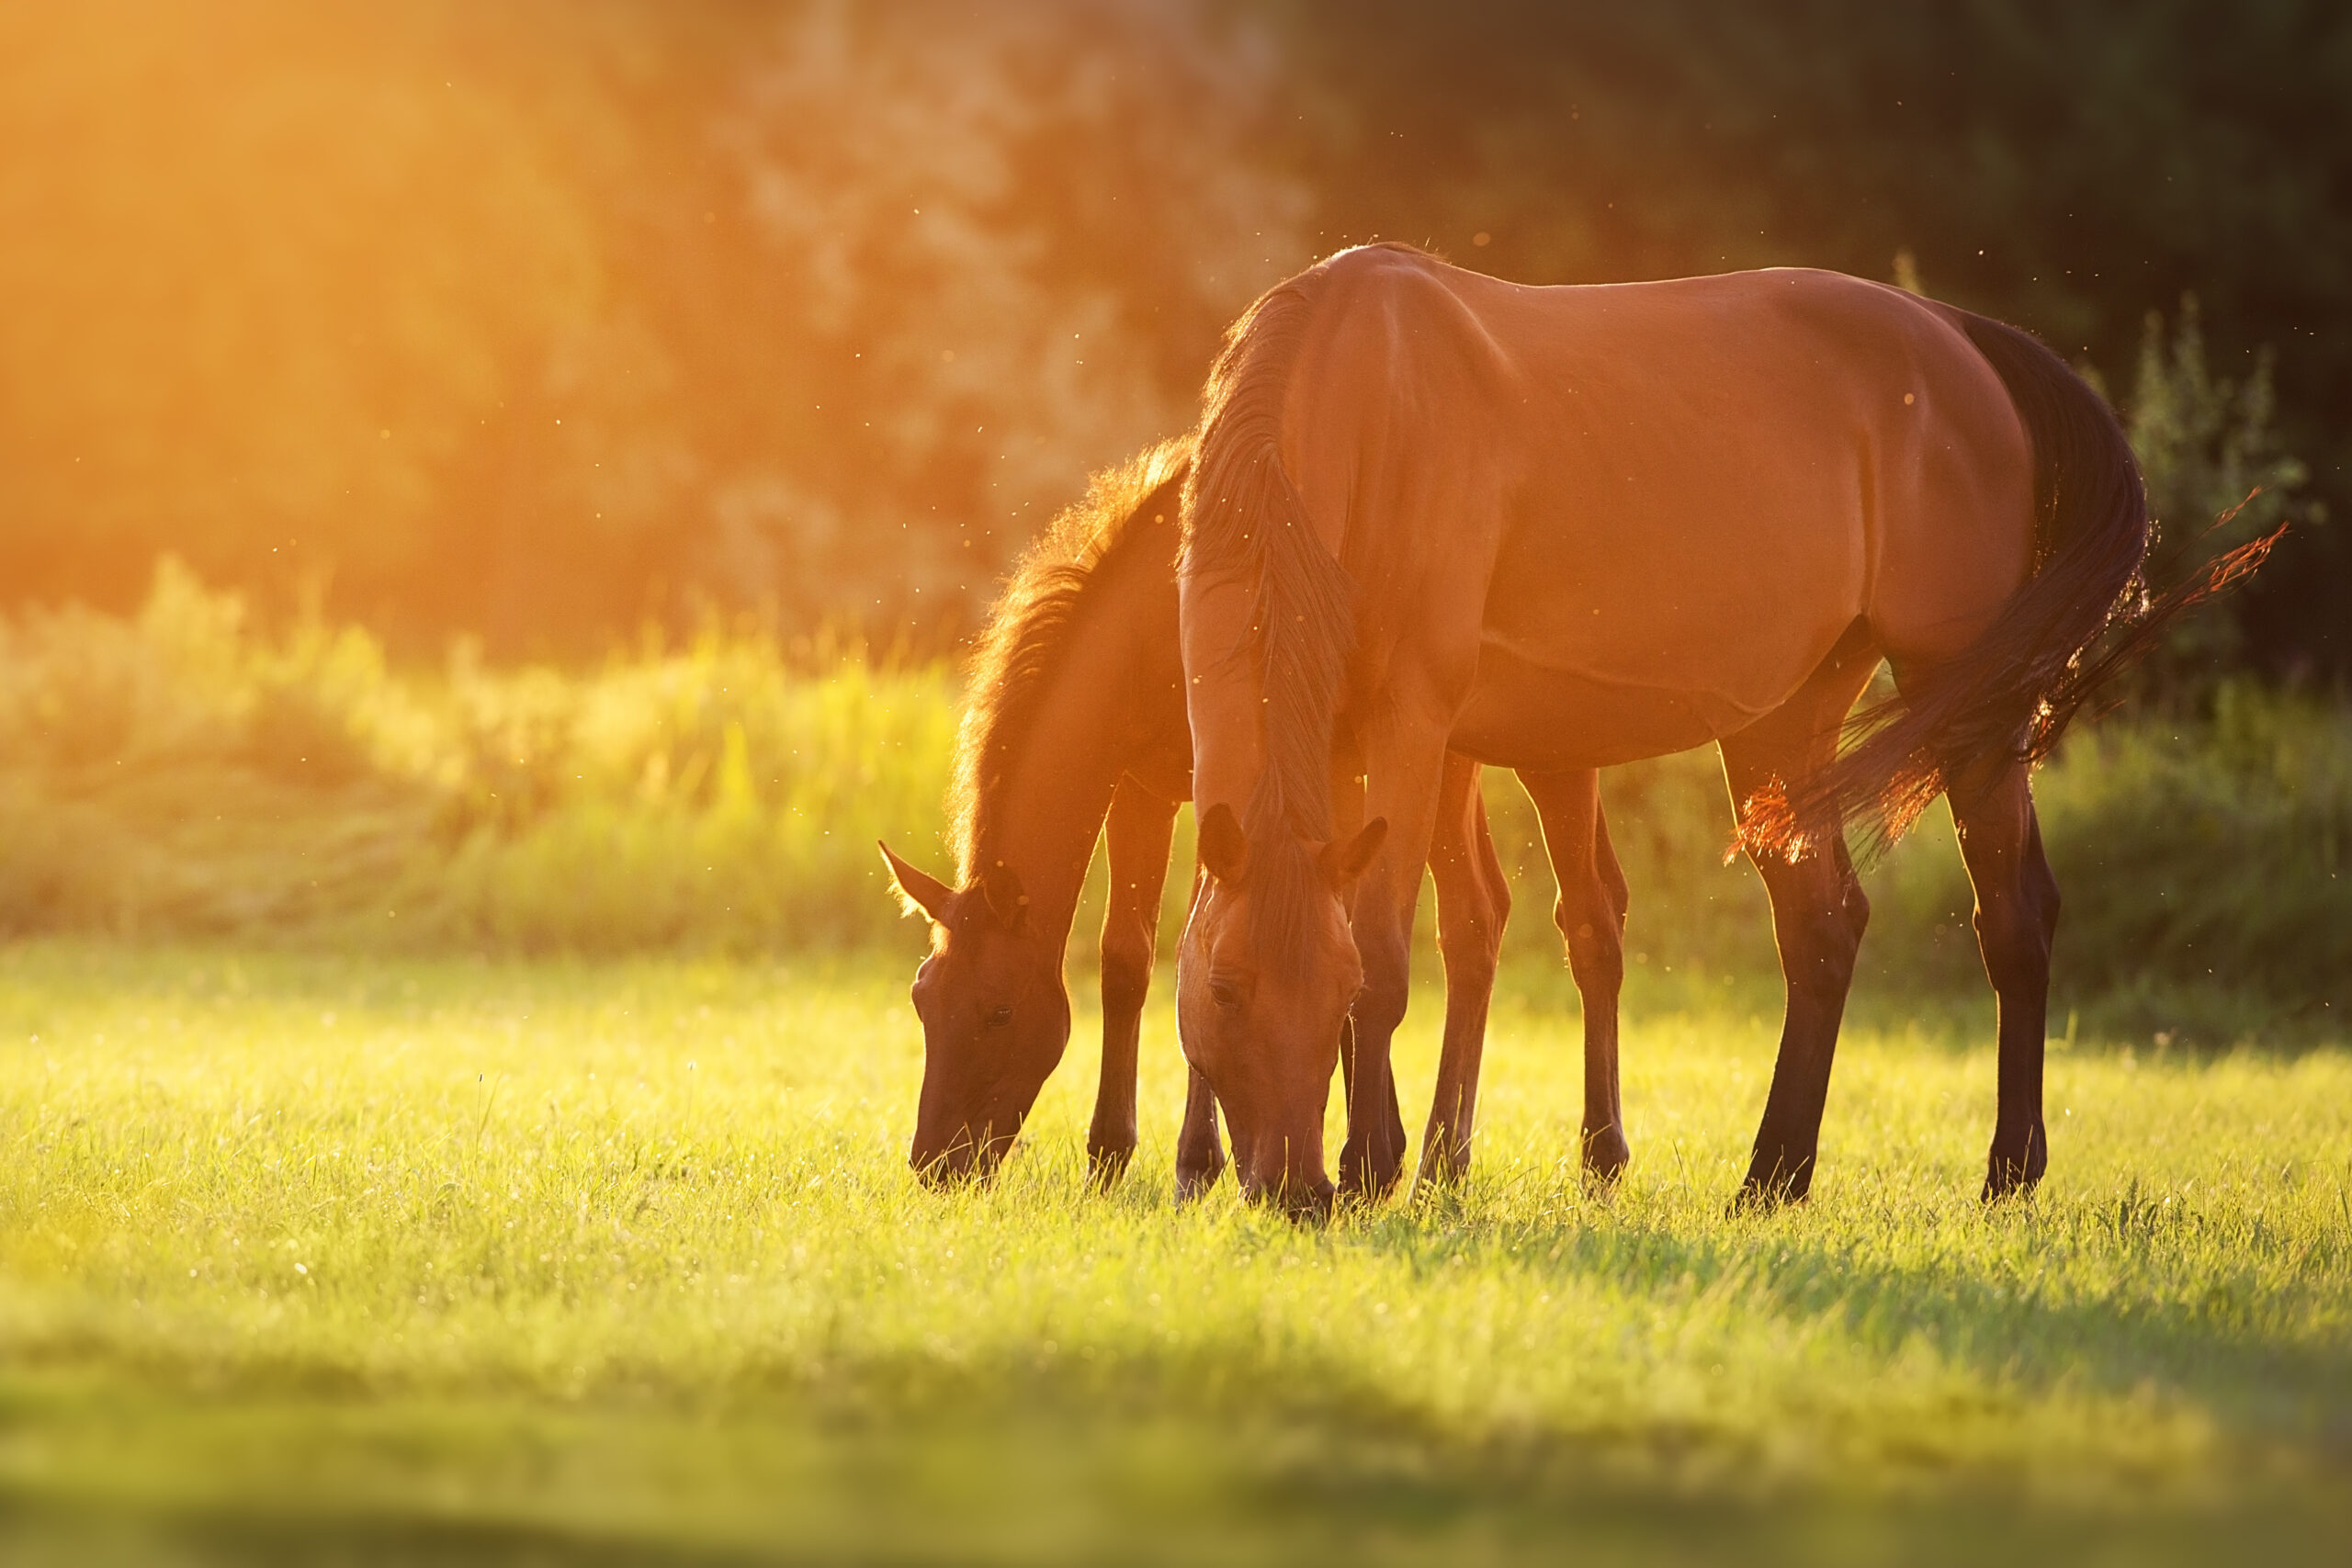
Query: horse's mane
x,y
1244,523
1021,644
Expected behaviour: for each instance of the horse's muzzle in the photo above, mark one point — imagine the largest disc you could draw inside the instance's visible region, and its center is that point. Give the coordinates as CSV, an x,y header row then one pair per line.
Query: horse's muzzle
x,y
962,1160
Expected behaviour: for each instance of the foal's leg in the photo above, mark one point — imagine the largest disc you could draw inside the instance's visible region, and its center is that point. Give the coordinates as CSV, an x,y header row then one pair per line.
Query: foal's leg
x,y
1818,917
1473,903
2016,915
1590,913
1136,837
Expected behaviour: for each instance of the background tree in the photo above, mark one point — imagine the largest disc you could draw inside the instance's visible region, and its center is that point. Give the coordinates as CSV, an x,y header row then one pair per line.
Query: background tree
x,y
538,319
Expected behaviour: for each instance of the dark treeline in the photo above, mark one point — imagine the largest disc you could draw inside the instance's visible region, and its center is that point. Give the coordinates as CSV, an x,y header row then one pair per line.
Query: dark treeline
x,y
2071,166
539,319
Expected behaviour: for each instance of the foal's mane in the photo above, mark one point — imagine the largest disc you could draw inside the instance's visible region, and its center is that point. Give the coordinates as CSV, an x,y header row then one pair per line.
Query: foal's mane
x,y
1020,648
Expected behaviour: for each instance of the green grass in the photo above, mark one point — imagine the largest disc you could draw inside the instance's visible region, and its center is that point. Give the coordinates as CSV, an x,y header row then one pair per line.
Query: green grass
x,y
307,1258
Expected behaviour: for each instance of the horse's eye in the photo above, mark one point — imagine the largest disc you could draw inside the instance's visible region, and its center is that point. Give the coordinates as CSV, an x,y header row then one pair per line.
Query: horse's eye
x,y
1226,994
1001,1017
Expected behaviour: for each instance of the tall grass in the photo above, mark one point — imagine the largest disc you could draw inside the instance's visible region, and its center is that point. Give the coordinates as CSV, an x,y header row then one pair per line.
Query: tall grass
x,y
183,772
2205,863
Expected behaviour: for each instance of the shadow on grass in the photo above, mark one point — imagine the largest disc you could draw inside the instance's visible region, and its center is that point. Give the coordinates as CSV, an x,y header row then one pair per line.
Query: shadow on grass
x,y
1045,1478
2205,1346
2196,1016
36,1531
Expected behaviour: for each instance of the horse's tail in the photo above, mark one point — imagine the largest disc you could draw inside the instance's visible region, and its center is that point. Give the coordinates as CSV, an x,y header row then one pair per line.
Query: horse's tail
x,y
2083,616
1245,524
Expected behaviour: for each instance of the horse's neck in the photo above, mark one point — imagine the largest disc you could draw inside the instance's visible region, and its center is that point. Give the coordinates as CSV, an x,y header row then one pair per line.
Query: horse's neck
x,y
1225,694
1057,787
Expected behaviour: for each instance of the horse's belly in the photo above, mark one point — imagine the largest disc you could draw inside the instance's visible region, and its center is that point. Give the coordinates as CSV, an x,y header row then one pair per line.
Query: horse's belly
x,y
1524,714
1615,630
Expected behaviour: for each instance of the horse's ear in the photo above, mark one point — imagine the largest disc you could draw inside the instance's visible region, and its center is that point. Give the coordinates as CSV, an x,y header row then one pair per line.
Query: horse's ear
x,y
1225,852
1344,860
918,889
1000,885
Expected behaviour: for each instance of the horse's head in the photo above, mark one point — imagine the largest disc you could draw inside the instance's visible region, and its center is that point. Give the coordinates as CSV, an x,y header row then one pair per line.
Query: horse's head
x,y
995,1019
1265,977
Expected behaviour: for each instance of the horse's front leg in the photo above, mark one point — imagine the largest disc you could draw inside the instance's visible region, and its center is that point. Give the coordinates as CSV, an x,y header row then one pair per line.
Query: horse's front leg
x,y
1405,778
1375,1122
1590,913
1136,836
1473,903
1200,1150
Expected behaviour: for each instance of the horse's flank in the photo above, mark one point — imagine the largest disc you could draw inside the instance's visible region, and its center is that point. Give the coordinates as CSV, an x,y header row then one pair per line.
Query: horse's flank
x,y
1013,664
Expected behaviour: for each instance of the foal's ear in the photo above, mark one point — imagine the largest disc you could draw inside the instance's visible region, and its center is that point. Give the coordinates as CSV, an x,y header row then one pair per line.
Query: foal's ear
x,y
1224,852
916,889
1344,860
1002,888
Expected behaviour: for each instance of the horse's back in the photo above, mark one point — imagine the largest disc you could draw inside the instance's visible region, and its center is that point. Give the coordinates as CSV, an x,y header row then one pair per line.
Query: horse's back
x,y
1677,494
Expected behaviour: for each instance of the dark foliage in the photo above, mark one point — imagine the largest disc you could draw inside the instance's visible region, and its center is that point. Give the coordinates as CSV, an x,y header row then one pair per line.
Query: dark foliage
x,y
542,319
2069,166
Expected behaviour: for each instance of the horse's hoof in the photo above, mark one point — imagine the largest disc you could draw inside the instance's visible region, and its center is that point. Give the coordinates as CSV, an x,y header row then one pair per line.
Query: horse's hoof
x,y
1606,1157
1369,1174
1194,1184
1765,1195
1367,1181
1106,1163
2006,1179
1775,1176
2011,1171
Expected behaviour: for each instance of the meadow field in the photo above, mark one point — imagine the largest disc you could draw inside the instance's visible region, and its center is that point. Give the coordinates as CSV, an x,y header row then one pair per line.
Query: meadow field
x,y
493,496
319,1257
458,1113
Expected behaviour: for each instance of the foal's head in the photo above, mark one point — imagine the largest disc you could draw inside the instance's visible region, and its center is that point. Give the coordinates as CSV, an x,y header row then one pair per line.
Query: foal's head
x,y
1266,975
995,1017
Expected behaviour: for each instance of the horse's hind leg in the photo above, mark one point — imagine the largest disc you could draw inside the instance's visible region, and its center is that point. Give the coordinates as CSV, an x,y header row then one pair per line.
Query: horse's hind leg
x,y
1818,917
2016,915
1590,913
1472,902
1136,837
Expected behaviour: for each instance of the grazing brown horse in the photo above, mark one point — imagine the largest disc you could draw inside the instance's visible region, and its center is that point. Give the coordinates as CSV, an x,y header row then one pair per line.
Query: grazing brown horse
x,y
1565,527
1077,711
